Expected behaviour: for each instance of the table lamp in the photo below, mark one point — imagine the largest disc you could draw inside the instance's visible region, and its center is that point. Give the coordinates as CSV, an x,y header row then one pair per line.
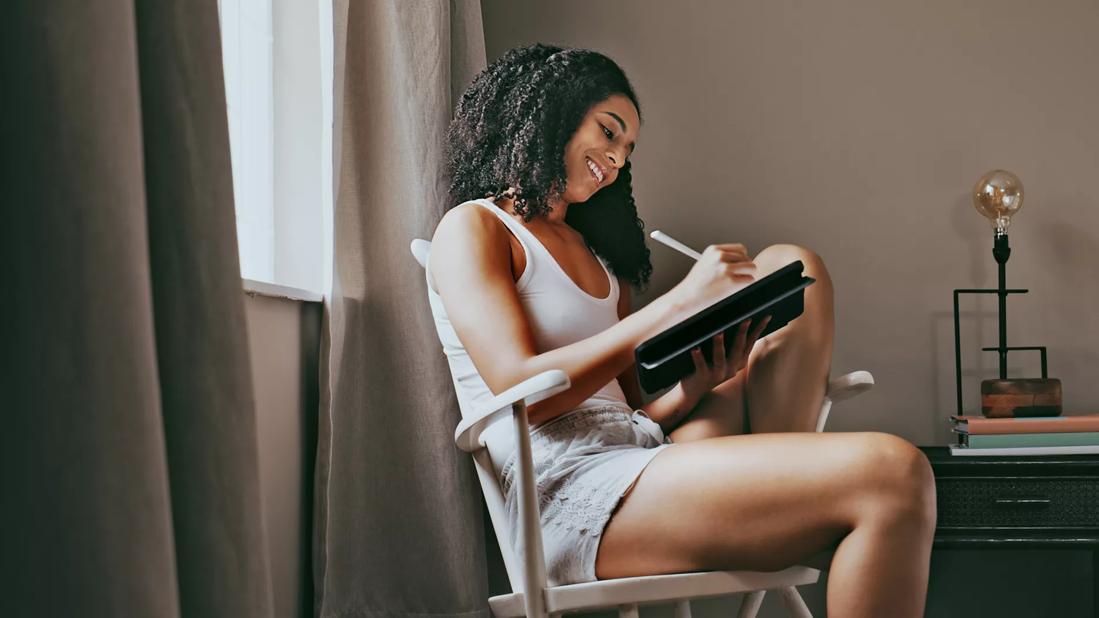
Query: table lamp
x,y
998,195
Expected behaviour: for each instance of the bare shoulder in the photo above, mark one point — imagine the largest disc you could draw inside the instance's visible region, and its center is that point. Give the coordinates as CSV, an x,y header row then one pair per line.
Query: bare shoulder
x,y
469,237
468,224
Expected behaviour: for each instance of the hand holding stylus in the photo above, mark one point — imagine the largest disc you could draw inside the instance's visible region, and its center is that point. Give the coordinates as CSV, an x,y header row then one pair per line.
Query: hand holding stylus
x,y
718,271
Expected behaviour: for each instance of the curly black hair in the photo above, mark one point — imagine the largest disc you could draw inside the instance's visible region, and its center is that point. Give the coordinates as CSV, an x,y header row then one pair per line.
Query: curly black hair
x,y
510,129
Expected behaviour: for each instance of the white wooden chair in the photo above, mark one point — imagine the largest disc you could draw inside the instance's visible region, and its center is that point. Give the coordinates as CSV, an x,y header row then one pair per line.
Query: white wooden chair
x,y
627,593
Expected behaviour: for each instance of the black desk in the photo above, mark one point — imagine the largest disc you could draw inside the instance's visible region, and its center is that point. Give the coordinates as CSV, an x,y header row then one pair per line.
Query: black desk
x,y
1017,502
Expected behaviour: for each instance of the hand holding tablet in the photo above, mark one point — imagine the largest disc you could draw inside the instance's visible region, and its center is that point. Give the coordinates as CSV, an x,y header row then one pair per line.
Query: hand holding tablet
x,y
666,358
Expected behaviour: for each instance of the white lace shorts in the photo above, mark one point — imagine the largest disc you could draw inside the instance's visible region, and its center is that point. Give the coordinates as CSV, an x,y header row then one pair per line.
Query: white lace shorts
x,y
585,461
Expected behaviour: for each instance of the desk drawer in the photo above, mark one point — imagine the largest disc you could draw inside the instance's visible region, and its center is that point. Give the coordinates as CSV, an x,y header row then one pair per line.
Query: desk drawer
x,y
1024,502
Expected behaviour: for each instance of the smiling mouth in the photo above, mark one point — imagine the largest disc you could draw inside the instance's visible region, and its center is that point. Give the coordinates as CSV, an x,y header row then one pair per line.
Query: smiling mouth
x,y
597,172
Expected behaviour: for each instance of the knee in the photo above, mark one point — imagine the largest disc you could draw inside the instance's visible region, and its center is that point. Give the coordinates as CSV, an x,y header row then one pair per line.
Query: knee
x,y
775,257
897,478
784,253
815,325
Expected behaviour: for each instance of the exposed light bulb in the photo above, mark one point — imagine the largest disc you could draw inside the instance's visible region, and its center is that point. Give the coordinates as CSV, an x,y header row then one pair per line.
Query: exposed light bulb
x,y
998,195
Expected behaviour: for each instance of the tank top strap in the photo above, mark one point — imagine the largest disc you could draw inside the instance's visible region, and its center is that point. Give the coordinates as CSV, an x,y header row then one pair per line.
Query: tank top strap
x,y
537,253
525,236
538,257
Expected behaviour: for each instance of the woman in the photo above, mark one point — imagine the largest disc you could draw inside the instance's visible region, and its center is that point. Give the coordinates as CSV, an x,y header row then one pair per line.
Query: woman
x,y
537,276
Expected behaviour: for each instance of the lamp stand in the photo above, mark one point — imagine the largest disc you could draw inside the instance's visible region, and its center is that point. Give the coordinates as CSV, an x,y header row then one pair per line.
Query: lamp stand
x,y
1007,397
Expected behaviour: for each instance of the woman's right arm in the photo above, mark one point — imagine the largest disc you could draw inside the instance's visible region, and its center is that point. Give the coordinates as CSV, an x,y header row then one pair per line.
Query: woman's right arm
x,y
471,268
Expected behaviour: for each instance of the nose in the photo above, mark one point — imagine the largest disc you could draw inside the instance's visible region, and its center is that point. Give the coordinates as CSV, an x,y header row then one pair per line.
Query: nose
x,y
616,160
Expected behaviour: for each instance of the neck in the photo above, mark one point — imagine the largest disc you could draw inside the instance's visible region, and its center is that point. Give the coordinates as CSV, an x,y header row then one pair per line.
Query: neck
x,y
556,215
558,211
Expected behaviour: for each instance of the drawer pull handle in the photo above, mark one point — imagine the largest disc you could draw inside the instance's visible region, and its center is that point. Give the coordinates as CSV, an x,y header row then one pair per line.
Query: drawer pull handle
x,y
1023,502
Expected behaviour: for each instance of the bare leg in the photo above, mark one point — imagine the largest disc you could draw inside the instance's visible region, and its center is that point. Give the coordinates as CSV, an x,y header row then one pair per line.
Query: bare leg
x,y
765,502
788,369
721,413
771,501
784,383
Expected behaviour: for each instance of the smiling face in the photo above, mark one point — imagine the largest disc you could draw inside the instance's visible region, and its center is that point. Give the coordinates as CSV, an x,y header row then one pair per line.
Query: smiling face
x,y
599,147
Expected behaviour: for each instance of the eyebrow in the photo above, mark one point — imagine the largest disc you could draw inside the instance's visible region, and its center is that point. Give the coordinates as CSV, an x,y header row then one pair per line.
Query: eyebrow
x,y
622,124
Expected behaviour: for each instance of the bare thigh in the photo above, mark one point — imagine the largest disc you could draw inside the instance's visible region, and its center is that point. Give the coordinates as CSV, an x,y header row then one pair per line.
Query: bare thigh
x,y
756,502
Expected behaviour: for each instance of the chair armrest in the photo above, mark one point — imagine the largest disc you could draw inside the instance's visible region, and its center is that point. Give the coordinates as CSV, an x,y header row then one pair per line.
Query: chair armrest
x,y
532,390
849,385
513,403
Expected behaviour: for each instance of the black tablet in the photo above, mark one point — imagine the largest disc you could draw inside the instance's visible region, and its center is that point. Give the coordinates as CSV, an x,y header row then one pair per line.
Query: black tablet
x,y
665,358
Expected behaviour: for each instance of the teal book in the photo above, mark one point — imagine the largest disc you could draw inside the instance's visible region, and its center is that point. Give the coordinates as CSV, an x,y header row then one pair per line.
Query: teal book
x,y
1014,440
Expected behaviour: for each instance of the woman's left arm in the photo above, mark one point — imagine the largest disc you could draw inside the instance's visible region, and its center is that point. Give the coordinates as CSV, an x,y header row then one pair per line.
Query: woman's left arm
x,y
671,408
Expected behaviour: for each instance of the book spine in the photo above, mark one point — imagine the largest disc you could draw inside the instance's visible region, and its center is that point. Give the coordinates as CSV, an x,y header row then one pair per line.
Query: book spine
x,y
1087,438
1056,424
963,451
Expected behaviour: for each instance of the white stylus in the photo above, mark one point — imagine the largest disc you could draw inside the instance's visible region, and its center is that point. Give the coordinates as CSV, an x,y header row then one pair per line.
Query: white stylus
x,y
661,237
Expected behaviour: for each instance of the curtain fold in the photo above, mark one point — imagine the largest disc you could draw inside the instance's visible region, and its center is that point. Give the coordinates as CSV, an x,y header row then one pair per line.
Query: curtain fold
x,y
129,451
398,521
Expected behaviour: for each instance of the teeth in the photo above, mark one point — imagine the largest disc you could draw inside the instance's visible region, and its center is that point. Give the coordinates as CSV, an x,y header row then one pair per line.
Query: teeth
x,y
595,170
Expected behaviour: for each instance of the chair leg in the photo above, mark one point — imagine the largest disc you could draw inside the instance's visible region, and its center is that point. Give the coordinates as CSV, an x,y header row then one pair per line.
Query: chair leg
x,y
749,607
794,603
682,609
628,611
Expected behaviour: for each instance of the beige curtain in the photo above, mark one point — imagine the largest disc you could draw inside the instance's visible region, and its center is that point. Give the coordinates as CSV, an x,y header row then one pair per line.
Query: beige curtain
x,y
398,518
129,444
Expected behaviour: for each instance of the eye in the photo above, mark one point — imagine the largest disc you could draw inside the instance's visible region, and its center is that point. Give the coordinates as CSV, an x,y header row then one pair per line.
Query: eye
x,y
607,132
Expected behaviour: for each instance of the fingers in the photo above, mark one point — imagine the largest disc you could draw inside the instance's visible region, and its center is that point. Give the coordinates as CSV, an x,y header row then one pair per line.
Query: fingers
x,y
733,246
735,260
760,327
719,354
742,339
728,252
753,336
738,354
727,361
699,360
741,271
731,260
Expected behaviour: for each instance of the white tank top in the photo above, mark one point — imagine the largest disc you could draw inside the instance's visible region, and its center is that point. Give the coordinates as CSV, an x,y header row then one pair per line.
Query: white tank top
x,y
559,312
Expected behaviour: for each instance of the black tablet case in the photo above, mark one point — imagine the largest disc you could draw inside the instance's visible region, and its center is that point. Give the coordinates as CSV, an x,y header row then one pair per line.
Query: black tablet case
x,y
665,359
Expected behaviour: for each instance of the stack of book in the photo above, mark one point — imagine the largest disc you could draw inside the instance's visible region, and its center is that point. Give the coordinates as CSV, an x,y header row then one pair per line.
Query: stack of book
x,y
1040,435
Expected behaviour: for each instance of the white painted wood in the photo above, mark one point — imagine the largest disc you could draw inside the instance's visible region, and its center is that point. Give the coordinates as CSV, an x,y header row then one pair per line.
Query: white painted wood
x,y
655,589
749,607
822,417
534,565
534,389
628,611
274,290
841,388
494,502
850,385
794,603
421,249
682,609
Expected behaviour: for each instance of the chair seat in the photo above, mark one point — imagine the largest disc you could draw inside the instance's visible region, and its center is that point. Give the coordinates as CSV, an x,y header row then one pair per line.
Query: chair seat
x,y
654,589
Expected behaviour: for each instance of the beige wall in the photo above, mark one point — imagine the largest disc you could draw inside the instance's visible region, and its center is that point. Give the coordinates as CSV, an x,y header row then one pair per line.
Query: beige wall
x,y
858,129
284,342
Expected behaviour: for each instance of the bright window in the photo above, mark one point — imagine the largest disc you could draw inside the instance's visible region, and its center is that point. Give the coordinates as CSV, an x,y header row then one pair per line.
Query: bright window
x,y
278,84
